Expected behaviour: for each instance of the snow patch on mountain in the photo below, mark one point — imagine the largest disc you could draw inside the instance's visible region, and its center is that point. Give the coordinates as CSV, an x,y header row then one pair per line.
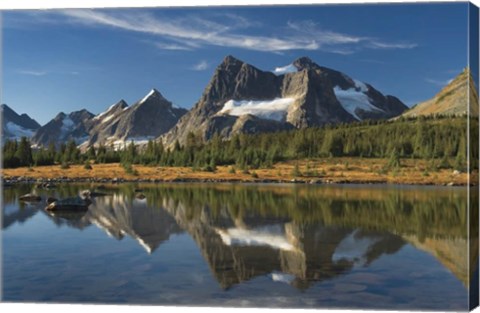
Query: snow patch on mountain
x,y
275,109
285,69
15,132
360,85
120,144
67,126
108,118
355,98
139,140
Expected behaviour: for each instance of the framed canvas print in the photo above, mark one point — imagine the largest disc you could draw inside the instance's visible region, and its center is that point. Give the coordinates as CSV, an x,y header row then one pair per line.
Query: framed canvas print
x,y
317,156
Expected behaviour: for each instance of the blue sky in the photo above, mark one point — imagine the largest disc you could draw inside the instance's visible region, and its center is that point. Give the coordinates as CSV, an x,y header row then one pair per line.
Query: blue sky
x,y
66,60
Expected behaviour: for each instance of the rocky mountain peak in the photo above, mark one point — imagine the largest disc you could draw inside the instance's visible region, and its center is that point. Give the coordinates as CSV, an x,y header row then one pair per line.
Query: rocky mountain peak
x,y
231,60
64,127
121,104
9,115
305,63
60,116
82,115
15,126
148,118
114,110
229,66
153,94
6,109
243,98
117,107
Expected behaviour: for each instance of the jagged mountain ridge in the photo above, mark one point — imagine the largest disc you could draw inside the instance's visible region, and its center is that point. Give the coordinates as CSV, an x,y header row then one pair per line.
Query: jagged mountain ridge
x,y
305,96
15,126
453,99
148,118
62,128
239,98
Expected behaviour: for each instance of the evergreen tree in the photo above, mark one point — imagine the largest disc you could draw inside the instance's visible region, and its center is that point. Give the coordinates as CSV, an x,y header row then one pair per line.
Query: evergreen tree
x,y
72,153
394,161
10,160
51,150
24,152
91,155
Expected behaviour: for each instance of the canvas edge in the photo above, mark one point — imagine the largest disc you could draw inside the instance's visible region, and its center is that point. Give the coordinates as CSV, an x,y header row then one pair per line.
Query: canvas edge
x,y
473,156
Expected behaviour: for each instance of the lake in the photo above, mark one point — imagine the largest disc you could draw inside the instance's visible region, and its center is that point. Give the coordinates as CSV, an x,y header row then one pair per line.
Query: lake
x,y
323,246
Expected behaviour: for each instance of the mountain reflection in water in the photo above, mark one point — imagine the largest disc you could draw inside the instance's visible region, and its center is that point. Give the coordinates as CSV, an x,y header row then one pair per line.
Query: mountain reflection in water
x,y
298,235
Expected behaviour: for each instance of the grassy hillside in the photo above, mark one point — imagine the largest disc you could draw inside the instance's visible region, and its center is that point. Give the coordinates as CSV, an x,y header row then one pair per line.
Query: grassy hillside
x,y
453,99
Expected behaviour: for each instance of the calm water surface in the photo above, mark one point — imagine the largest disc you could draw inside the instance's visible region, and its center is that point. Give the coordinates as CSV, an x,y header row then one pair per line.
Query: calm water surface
x,y
236,245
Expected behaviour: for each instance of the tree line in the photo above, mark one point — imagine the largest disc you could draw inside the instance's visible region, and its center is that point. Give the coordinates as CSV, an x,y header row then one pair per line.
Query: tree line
x,y
443,138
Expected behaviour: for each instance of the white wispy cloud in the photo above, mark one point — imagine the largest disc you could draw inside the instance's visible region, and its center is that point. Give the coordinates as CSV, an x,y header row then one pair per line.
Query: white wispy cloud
x,y
349,43
32,72
200,66
49,72
172,46
227,30
439,82
310,29
384,45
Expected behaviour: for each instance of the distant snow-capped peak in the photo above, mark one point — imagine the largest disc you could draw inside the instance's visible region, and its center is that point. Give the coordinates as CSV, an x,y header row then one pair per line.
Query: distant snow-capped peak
x,y
152,93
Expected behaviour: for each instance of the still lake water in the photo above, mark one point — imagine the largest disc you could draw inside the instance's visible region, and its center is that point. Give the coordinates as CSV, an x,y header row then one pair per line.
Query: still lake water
x,y
386,247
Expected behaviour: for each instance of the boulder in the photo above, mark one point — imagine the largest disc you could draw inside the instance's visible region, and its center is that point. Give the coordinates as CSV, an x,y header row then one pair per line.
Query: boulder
x,y
69,204
30,197
140,196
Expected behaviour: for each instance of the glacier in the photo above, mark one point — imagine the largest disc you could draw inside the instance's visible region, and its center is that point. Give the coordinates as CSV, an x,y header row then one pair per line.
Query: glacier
x,y
285,69
275,109
355,98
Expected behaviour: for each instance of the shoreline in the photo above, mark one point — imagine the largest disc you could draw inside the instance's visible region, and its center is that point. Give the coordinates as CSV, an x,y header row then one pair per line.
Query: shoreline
x,y
315,172
11,181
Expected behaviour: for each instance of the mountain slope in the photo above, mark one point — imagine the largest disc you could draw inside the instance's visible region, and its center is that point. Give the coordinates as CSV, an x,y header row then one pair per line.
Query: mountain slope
x,y
63,128
451,100
304,94
148,118
15,126
104,125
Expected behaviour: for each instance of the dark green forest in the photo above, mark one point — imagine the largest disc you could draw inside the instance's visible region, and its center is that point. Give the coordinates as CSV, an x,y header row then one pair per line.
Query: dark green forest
x,y
442,138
